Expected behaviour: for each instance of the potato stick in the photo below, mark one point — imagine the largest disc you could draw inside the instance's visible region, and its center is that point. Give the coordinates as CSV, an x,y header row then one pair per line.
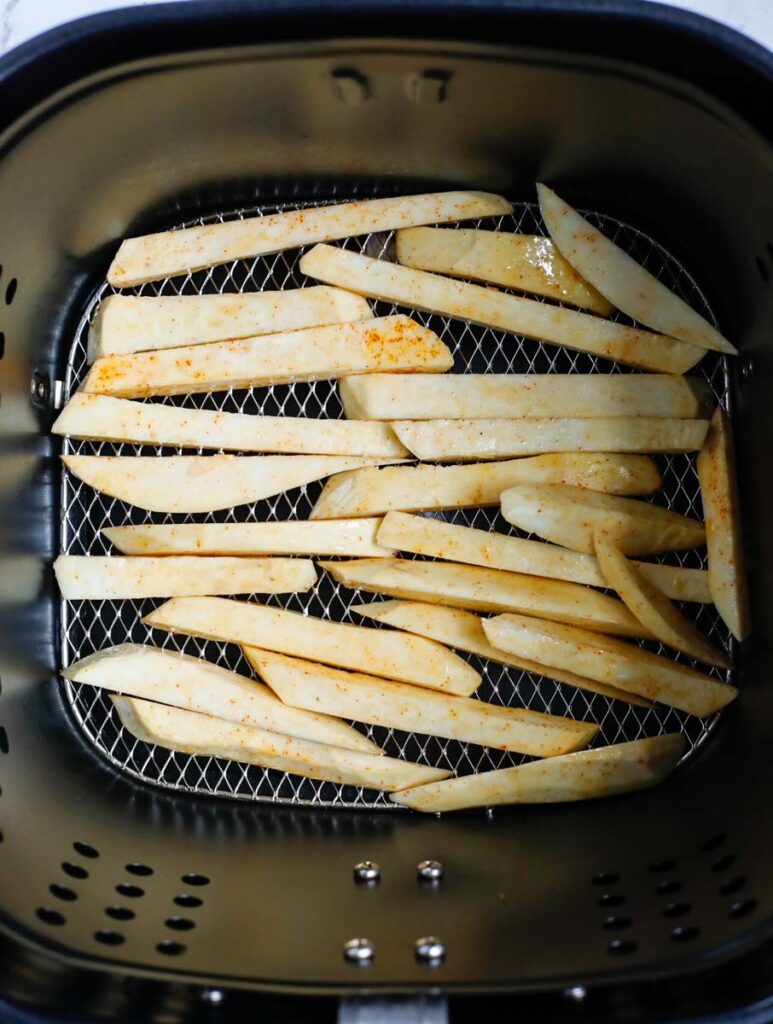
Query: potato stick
x,y
102,418
445,440
408,659
528,263
491,308
620,768
202,483
391,343
353,537
193,733
136,323
569,516
652,608
610,661
464,631
98,578
488,590
196,685
150,257
302,684
719,494
420,396
423,535
622,280
413,488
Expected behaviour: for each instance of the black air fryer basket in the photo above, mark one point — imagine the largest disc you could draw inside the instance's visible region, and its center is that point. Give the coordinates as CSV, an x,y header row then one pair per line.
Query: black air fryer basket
x,y
129,888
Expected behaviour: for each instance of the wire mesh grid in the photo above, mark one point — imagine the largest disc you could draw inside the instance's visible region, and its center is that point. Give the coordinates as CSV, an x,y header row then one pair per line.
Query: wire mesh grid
x,y
88,626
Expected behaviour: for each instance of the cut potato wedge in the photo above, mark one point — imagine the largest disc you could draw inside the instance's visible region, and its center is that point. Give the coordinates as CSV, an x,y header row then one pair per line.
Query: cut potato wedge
x,y
194,733
150,257
491,308
197,685
571,515
462,440
353,537
622,280
719,494
137,323
103,418
97,578
419,396
528,263
202,483
413,488
652,608
302,684
610,661
408,659
423,535
607,771
391,344
464,631
487,590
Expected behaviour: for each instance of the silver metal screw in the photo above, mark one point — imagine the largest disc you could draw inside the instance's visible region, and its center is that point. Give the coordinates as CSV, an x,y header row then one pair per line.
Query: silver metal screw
x,y
359,951
213,996
429,871
576,993
430,950
367,872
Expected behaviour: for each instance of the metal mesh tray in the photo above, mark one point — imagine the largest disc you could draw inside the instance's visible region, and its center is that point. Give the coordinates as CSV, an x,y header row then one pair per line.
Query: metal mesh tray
x,y
88,626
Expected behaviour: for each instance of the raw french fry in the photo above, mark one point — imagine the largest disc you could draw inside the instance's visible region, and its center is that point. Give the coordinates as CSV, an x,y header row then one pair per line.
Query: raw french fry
x,y
408,659
202,483
719,494
423,535
391,343
652,608
353,537
150,257
621,768
529,263
570,515
103,418
136,323
464,630
413,488
419,396
491,308
96,578
487,590
193,733
455,440
196,685
302,684
621,279
610,661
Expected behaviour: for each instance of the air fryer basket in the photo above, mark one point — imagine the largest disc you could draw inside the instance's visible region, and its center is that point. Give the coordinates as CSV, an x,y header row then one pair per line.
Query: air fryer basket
x,y
146,119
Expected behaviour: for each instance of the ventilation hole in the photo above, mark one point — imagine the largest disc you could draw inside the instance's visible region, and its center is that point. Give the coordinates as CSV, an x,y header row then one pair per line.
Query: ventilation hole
x,y
74,870
665,888
677,909
768,246
180,924
622,946
3,740
723,863
610,899
2,837
120,913
50,916
63,893
715,842
108,937
733,885
685,934
762,270
10,291
85,850
132,891
614,923
2,344
742,907
660,866
139,869
185,900
195,879
169,948
605,878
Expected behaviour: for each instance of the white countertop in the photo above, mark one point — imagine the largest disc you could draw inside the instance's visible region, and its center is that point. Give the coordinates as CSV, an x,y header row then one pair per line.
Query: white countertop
x,y
22,19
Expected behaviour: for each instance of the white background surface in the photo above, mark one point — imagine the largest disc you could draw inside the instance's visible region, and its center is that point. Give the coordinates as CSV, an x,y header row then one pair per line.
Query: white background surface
x,y
22,19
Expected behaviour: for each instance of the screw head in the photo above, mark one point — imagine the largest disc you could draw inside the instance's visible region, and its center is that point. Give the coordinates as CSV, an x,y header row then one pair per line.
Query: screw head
x,y
367,872
430,950
213,996
359,951
429,871
576,993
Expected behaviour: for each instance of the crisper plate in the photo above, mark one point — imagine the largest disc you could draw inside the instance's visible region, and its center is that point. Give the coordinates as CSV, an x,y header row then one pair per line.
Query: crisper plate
x,y
89,626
